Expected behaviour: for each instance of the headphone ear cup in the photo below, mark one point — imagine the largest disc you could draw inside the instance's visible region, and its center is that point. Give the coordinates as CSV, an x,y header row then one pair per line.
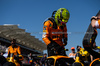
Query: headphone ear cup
x,y
61,14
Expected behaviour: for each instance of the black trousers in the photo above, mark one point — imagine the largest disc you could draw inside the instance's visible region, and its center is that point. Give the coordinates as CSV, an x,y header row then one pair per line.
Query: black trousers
x,y
55,49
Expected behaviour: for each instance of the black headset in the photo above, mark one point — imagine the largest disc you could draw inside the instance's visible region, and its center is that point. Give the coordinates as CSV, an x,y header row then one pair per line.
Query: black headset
x,y
60,14
53,13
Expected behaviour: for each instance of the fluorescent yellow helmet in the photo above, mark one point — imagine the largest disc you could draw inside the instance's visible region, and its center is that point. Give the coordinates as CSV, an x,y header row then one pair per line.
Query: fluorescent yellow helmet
x,y
61,16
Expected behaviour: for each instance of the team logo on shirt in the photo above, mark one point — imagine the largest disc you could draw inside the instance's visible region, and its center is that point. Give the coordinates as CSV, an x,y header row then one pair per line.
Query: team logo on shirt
x,y
44,28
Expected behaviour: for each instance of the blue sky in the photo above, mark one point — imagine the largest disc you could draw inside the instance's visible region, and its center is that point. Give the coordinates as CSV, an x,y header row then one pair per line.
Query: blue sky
x,y
30,14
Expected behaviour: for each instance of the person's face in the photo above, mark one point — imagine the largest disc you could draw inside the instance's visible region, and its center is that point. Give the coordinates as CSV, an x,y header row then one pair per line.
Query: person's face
x,y
78,49
94,45
73,50
1,53
45,55
13,43
30,54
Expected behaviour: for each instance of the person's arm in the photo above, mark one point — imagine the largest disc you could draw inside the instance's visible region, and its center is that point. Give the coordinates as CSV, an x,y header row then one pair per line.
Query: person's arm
x,y
91,58
75,56
95,22
28,55
65,35
8,51
19,50
69,54
46,32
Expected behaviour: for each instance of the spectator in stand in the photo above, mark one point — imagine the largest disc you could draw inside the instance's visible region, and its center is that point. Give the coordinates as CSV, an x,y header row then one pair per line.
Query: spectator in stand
x,y
72,54
43,60
31,59
1,53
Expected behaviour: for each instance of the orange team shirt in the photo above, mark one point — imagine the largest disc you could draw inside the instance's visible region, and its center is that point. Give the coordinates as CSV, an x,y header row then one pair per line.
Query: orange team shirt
x,y
15,50
54,34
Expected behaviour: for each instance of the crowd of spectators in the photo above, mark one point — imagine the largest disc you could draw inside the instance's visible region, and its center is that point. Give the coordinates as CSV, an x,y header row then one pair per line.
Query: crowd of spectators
x,y
30,60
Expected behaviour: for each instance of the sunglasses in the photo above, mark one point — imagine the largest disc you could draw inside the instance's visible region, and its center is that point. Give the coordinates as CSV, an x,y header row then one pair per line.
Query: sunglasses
x,y
73,49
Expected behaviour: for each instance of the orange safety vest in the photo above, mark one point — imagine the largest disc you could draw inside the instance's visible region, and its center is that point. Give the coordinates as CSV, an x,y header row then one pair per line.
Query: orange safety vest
x,y
51,34
15,50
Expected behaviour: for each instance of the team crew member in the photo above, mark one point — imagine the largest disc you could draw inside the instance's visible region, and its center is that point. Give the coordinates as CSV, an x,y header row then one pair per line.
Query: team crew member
x,y
14,48
55,32
73,54
83,56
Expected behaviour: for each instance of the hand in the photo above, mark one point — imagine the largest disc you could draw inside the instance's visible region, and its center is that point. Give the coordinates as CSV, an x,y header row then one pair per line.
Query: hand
x,y
64,44
65,41
34,62
93,21
66,50
94,17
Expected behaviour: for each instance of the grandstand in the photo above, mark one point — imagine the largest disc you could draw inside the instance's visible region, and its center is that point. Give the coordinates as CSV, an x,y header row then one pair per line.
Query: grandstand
x,y
27,42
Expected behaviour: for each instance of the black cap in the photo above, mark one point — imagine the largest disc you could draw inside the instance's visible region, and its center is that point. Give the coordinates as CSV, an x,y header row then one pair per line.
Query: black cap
x,y
77,46
45,54
14,40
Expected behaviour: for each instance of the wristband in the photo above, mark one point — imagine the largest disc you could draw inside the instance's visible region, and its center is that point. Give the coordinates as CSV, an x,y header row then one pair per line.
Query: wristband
x,y
96,24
